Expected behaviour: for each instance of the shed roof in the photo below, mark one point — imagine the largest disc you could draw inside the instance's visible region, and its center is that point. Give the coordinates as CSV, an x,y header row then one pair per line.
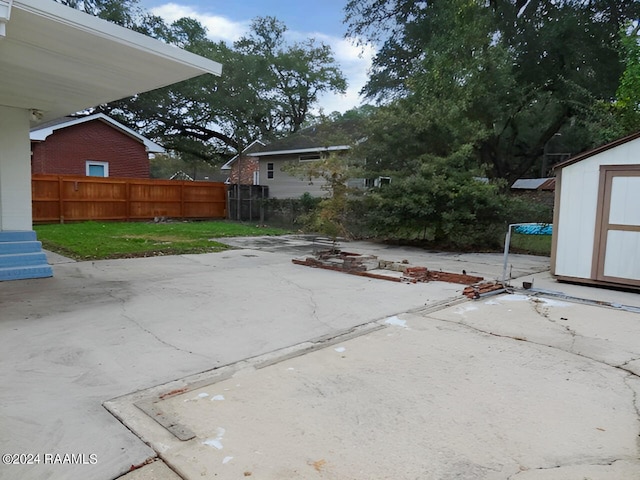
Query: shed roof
x,y
57,60
598,150
534,184
42,131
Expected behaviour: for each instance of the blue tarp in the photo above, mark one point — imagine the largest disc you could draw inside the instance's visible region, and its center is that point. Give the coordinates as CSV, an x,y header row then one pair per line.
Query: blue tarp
x,y
538,229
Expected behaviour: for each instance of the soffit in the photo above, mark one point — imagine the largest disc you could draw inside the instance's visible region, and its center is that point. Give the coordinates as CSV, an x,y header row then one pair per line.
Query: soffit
x,y
59,60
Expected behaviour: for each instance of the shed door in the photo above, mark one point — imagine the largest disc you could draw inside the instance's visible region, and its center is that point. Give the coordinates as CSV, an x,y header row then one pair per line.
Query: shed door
x,y
617,255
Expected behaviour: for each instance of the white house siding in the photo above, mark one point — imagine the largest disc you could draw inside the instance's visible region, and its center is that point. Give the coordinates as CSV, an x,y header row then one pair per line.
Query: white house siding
x,y
578,205
15,170
285,185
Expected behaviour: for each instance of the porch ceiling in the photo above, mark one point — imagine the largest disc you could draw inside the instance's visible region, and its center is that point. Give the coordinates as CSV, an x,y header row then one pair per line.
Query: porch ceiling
x,y
59,60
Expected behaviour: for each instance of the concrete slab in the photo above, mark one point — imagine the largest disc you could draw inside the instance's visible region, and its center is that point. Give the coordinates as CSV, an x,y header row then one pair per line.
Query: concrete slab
x,y
99,330
498,388
488,265
54,258
157,470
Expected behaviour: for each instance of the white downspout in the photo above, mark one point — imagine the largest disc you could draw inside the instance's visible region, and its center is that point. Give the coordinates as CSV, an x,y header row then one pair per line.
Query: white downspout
x,y
5,15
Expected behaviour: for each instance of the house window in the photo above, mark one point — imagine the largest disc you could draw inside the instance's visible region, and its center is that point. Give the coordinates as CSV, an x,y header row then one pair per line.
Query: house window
x,y
97,169
380,181
377,182
310,158
256,177
269,170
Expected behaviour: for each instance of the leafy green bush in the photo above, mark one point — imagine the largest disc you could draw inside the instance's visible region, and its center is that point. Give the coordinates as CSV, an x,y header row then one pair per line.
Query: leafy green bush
x,y
446,205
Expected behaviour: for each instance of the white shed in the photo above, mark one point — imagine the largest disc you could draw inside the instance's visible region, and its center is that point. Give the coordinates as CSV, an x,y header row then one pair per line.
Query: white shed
x,y
596,224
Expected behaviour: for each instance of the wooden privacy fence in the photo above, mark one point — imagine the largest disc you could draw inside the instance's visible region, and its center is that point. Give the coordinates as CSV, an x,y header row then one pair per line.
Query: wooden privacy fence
x,y
63,198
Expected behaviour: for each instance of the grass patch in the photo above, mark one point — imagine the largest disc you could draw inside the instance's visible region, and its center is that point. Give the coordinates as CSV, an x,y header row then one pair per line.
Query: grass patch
x,y
101,240
531,244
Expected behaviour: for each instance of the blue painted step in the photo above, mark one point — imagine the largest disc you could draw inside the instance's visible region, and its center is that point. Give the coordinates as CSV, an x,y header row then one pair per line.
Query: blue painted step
x,y
15,236
8,248
23,273
21,256
23,259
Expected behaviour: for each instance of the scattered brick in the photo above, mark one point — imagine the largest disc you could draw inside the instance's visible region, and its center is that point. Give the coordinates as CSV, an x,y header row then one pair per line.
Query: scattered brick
x,y
356,264
476,291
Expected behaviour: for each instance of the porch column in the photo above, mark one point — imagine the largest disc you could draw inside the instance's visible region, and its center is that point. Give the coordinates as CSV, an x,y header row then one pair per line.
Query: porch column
x,y
15,170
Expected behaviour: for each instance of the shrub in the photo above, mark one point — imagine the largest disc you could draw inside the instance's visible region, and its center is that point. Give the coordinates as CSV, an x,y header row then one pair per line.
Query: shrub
x,y
446,205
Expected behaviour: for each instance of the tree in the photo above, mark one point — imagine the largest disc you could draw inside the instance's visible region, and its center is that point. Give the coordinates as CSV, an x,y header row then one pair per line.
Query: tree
x,y
126,13
627,105
331,216
503,76
267,89
298,72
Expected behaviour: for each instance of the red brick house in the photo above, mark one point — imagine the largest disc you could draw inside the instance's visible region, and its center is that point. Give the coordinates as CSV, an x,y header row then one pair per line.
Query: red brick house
x,y
243,166
93,145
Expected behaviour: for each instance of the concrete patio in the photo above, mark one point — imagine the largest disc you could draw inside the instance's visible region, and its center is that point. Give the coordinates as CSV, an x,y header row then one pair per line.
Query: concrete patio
x,y
280,370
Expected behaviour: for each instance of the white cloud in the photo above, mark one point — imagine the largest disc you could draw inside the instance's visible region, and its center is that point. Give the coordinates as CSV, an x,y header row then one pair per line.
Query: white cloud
x,y
354,60
218,27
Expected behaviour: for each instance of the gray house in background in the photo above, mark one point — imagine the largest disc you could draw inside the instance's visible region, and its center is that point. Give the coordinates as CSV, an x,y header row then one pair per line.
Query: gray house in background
x,y
308,145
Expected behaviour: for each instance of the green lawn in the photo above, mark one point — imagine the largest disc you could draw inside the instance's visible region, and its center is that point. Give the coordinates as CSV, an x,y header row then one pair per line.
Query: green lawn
x,y
531,244
100,240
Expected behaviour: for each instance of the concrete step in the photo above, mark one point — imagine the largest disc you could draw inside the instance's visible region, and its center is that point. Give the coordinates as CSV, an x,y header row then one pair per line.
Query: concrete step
x,y
21,273
23,259
8,248
17,236
21,256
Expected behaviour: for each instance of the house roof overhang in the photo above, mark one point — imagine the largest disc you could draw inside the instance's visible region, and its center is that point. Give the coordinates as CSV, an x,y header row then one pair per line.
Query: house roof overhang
x,y
40,134
252,145
297,151
56,60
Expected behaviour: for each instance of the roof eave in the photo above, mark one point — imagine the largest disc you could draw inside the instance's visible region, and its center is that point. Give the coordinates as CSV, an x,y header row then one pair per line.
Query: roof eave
x,y
296,151
39,135
56,60
115,33
603,148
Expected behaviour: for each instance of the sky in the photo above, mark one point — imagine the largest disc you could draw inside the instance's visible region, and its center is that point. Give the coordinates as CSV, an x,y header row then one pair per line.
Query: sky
x,y
322,20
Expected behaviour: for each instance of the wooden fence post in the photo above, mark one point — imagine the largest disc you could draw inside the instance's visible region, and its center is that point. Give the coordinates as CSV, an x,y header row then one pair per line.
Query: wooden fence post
x,y
60,200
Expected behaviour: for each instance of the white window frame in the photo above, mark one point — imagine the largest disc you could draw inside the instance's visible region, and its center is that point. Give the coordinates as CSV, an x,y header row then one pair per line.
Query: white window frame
x,y
380,181
95,163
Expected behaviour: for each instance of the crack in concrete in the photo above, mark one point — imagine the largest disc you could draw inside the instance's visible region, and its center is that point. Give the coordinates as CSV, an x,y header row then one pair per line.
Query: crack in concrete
x,y
524,339
160,340
542,309
310,294
604,463
569,330
636,404
544,313
622,365
122,301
